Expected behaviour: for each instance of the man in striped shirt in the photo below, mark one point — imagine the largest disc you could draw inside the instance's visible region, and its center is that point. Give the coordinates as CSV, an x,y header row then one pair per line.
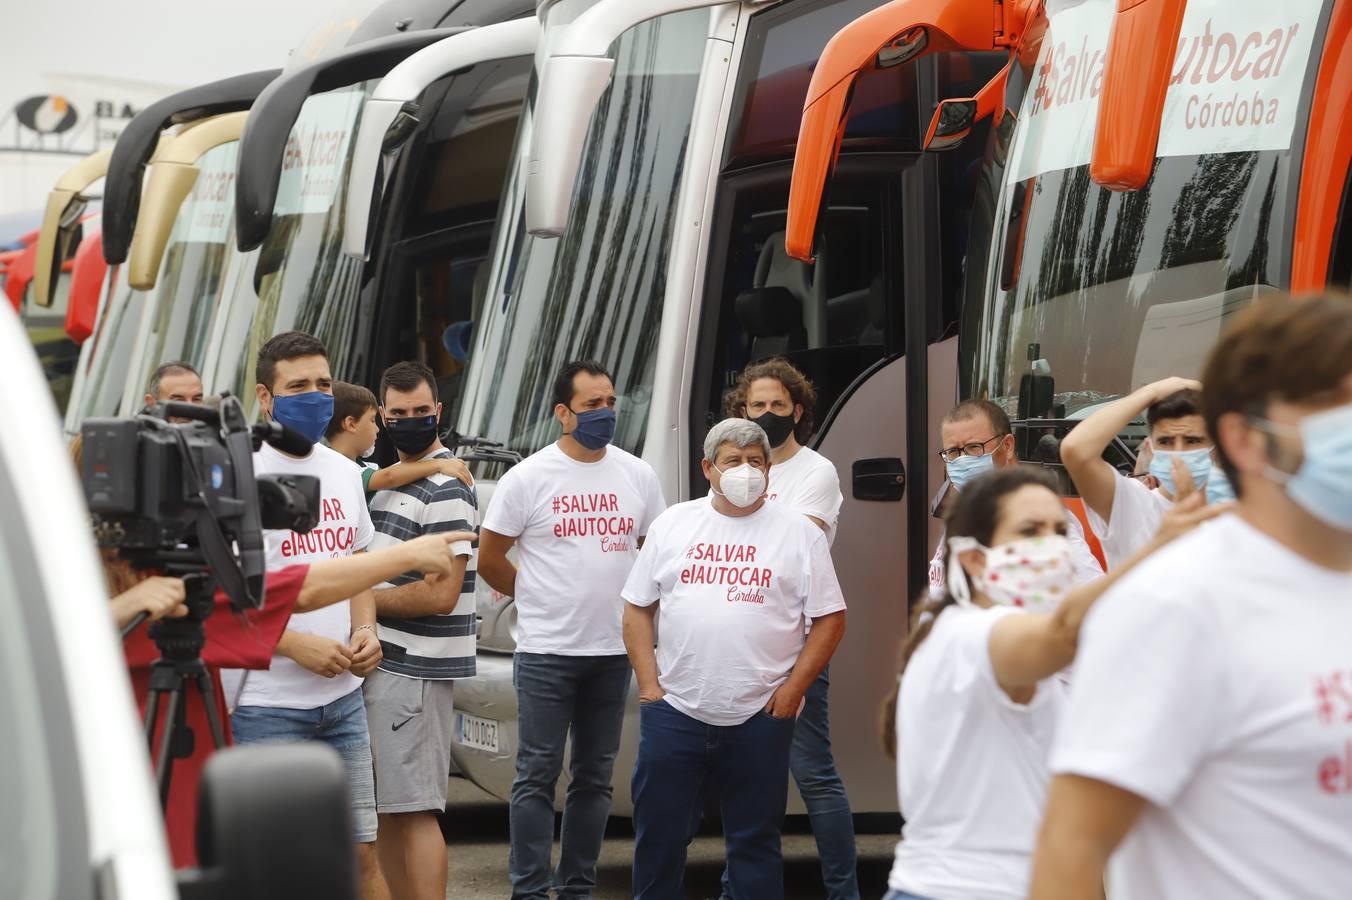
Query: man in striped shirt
x,y
426,631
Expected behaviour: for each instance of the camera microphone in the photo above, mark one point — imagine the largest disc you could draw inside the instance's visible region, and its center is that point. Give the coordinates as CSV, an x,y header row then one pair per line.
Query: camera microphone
x,y
278,436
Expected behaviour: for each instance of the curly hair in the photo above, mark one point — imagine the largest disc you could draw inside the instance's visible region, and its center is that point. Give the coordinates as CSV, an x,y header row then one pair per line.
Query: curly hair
x,y
800,389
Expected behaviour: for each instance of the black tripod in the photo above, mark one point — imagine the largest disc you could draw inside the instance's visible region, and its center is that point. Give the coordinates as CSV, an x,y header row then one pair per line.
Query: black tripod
x,y
180,666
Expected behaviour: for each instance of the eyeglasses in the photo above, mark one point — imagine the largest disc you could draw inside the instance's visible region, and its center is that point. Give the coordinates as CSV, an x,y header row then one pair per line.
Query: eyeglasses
x,y
976,448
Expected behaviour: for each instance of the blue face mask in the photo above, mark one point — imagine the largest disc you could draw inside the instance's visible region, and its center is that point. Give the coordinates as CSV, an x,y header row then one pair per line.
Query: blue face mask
x,y
308,413
1322,486
965,468
1218,487
1198,463
595,428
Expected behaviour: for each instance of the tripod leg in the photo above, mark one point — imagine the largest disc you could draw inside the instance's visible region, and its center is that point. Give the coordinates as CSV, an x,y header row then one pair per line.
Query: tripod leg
x,y
208,691
164,759
152,717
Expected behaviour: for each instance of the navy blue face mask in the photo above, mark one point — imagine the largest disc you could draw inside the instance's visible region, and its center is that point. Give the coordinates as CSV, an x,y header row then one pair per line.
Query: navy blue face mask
x,y
308,413
595,428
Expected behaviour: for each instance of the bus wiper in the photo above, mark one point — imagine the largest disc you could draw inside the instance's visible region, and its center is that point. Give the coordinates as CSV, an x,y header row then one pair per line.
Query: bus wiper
x,y
456,439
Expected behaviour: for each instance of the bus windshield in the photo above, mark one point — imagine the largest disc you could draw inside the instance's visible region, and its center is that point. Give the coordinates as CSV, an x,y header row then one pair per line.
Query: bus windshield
x,y
1108,291
189,280
111,358
596,291
299,278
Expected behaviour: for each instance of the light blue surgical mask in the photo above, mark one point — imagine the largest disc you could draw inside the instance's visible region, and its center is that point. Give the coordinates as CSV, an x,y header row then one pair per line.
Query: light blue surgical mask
x,y
1198,463
1322,486
1218,487
965,468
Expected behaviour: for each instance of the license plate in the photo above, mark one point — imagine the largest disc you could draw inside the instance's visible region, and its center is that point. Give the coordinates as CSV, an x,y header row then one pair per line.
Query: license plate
x,y
481,734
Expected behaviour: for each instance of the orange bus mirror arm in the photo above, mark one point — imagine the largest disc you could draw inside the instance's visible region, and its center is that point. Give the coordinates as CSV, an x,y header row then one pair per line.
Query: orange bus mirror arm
x,y
1135,80
953,120
891,35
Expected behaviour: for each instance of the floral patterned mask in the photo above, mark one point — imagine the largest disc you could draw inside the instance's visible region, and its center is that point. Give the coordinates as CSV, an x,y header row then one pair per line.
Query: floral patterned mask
x,y
1033,574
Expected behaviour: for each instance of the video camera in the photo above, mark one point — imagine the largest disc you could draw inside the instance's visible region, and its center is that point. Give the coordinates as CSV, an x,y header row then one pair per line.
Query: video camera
x,y
183,497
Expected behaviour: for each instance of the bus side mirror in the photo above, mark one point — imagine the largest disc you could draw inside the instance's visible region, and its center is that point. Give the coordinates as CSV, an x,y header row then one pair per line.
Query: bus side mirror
x,y
273,822
1135,81
953,120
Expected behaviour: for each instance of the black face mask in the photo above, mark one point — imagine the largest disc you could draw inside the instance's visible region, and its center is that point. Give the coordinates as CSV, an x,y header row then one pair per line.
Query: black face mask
x,y
777,428
412,435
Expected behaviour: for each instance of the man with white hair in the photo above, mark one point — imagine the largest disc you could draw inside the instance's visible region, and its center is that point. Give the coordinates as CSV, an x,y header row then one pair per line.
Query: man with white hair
x,y
735,578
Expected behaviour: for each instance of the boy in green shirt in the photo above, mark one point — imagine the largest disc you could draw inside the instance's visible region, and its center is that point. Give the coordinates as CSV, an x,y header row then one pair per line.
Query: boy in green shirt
x,y
352,432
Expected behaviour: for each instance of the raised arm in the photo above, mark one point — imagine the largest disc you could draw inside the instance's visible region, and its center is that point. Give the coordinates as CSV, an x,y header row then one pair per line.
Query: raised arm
x,y
1025,649
640,640
1082,449
332,580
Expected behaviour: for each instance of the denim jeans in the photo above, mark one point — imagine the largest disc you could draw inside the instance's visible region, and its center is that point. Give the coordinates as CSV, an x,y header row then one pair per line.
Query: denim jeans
x,y
902,895
555,695
340,724
678,758
823,793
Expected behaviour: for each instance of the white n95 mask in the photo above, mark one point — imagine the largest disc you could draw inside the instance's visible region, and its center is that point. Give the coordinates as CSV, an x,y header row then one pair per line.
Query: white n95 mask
x,y
1033,573
742,485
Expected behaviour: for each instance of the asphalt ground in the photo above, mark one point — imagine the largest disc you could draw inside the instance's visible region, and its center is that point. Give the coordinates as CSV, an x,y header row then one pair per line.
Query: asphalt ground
x,y
475,826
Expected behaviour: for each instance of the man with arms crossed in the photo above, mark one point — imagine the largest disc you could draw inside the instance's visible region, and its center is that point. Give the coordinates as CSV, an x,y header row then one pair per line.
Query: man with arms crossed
x,y
576,511
1207,746
426,630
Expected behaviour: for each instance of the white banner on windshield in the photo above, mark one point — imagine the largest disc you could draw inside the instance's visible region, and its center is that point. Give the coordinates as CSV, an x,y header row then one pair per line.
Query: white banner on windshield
x,y
210,207
316,153
1235,82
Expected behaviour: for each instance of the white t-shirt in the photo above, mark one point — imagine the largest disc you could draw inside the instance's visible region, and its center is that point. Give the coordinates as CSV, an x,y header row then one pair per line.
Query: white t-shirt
x,y
735,593
808,483
1136,516
344,528
971,766
1215,681
1083,561
577,527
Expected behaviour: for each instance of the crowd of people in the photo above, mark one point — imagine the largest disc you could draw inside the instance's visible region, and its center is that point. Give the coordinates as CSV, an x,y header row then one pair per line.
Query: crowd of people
x,y
1165,685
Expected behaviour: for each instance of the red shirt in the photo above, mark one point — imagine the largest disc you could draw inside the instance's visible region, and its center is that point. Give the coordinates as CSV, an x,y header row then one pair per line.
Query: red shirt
x,y
232,642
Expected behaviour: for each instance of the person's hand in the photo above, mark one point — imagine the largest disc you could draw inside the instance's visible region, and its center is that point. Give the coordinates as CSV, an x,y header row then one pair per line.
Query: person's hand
x,y
431,553
785,703
651,693
366,652
1169,386
158,597
318,654
456,469
1189,511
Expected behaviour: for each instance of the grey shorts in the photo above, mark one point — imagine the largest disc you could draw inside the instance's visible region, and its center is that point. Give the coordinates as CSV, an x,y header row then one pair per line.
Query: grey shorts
x,y
411,721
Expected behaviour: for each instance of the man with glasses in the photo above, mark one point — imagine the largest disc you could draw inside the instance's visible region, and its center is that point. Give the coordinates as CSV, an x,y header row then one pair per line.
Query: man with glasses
x,y
976,438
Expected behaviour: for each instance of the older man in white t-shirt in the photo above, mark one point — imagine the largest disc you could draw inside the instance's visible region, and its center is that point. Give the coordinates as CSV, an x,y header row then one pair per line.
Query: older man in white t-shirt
x,y
735,578
781,399
1207,748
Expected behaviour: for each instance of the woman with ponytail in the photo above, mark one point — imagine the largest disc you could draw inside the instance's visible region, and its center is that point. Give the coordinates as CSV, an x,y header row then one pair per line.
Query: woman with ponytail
x,y
976,707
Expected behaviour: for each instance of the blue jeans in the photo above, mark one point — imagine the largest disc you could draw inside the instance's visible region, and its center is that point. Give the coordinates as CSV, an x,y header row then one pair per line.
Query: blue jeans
x,y
828,808
902,895
678,758
556,695
340,724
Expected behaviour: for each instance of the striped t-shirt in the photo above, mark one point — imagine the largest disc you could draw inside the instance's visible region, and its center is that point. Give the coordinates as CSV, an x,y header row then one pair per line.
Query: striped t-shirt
x,y
435,647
